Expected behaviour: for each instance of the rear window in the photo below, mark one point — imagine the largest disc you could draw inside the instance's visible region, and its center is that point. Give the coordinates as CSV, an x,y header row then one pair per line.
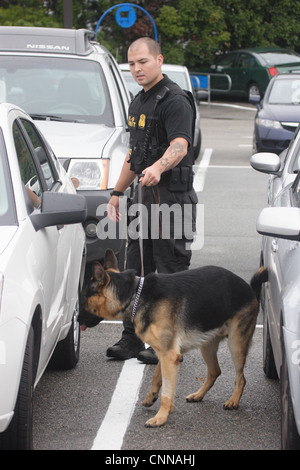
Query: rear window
x,y
56,88
278,58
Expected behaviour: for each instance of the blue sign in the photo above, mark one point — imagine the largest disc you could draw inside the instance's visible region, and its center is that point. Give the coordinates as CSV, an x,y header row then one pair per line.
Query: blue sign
x,y
125,16
128,14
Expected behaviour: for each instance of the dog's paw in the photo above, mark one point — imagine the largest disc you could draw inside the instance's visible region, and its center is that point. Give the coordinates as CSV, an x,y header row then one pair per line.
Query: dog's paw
x,y
150,399
157,421
230,405
194,397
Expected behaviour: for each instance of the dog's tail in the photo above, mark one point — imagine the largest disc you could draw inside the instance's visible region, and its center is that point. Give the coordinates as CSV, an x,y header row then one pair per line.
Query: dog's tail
x,y
257,280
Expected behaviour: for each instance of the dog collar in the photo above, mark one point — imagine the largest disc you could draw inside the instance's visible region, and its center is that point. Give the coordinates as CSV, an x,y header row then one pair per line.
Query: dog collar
x,y
137,298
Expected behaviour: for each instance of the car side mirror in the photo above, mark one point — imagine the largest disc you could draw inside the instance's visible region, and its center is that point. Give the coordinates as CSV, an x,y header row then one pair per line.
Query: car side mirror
x,y
266,163
201,95
255,99
59,209
279,222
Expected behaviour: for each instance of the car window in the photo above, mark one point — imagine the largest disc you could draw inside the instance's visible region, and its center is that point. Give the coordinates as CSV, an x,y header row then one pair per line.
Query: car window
x,y
119,87
285,92
133,87
296,165
246,61
57,88
7,206
277,58
296,192
226,61
29,174
180,78
40,152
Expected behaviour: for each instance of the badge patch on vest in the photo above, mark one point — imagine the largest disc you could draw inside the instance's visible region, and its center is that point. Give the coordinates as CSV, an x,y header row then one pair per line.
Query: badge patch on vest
x,y
142,121
132,121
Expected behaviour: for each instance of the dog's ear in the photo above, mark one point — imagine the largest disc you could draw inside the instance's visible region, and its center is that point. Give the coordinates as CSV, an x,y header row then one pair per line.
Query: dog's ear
x,y
110,260
98,271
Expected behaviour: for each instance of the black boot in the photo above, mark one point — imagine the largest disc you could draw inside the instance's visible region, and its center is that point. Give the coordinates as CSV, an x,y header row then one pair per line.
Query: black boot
x,y
129,345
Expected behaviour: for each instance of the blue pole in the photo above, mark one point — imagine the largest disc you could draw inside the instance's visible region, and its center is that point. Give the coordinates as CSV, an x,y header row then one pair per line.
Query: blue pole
x,y
131,5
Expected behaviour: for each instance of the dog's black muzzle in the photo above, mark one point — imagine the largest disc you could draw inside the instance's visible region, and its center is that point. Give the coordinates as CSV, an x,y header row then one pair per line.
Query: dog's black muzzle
x,y
88,320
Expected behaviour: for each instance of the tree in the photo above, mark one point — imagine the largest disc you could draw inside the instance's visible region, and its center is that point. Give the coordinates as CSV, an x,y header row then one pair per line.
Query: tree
x,y
26,13
190,32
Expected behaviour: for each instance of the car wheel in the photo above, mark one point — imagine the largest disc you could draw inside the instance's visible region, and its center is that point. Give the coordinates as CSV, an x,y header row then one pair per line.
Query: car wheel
x,y
18,435
268,356
290,439
66,353
253,89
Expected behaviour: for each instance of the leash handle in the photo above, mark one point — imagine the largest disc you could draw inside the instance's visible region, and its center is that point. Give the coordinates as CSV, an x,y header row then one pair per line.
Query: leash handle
x,y
140,201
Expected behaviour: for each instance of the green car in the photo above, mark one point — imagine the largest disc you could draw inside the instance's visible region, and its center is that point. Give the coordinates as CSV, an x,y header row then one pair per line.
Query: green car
x,y
248,71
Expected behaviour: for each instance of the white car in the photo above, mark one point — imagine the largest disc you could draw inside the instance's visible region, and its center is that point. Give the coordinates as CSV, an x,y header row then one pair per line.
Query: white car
x,y
180,75
73,89
42,262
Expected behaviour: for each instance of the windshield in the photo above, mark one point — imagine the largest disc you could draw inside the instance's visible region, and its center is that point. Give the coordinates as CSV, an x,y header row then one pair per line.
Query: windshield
x,y
56,88
178,77
285,92
7,207
278,58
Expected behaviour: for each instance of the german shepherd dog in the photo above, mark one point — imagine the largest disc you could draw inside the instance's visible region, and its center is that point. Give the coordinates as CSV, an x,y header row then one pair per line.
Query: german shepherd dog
x,y
175,313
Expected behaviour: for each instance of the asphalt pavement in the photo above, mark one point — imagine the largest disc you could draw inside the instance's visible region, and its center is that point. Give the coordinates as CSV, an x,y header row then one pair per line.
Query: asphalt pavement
x,y
73,407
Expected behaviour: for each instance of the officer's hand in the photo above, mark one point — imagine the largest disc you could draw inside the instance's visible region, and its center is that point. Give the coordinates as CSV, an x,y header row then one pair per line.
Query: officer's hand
x,y
150,176
113,209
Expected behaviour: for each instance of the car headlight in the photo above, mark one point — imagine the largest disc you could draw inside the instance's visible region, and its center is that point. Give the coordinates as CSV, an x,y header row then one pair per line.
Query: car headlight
x,y
89,174
268,123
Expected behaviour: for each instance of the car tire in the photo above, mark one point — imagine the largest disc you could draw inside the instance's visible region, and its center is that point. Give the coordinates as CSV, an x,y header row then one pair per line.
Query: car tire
x,y
253,89
18,435
67,351
269,366
290,438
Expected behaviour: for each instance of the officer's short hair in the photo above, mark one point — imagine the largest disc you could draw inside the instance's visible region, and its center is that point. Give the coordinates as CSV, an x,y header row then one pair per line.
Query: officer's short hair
x,y
153,46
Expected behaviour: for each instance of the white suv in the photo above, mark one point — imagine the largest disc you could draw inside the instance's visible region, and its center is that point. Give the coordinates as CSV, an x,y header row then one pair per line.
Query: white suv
x,y
72,87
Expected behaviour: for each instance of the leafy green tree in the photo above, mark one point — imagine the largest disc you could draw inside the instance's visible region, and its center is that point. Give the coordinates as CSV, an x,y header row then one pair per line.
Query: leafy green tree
x,y
190,32
26,13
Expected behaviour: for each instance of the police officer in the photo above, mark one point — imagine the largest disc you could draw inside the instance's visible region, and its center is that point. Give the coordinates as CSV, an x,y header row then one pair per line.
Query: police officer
x,y
161,120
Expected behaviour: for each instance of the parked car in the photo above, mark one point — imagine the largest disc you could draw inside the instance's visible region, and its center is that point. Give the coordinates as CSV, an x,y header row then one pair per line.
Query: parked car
x,y
180,75
279,223
280,227
42,262
278,114
250,70
282,168
74,90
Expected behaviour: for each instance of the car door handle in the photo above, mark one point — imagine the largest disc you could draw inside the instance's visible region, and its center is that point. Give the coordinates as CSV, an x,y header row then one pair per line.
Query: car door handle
x,y
274,246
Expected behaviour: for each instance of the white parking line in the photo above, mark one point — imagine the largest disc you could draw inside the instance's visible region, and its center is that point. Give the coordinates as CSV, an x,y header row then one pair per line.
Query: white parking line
x,y
201,169
113,428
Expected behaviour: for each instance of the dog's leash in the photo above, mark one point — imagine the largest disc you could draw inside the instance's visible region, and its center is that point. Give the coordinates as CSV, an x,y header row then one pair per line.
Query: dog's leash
x,y
140,202
142,277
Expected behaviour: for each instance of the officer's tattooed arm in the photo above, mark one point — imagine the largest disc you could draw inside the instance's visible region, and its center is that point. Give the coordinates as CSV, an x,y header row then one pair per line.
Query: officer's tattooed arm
x,y
172,156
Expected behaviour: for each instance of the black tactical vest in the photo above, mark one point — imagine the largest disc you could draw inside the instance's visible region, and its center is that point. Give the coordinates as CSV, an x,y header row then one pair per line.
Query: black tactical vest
x,y
147,143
